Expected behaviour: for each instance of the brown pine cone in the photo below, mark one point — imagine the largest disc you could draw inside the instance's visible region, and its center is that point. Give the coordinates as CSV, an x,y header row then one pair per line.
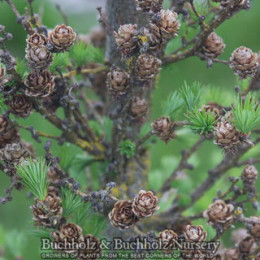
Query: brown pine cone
x,y
195,233
13,153
62,37
246,246
39,84
20,105
163,127
122,215
254,228
36,40
2,72
147,41
53,176
139,107
126,38
238,234
147,67
149,5
98,80
117,81
47,213
244,62
145,204
165,24
8,133
214,108
4,124
37,53
168,238
68,234
219,212
250,174
213,46
238,3
232,254
226,136
97,37
92,250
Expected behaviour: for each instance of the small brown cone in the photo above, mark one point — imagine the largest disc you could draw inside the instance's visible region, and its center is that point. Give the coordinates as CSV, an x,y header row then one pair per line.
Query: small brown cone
x,y
246,245
238,234
168,238
36,40
255,228
47,213
2,72
126,38
62,37
238,3
232,254
165,25
163,127
147,41
122,215
20,105
53,176
213,46
139,107
13,153
214,108
37,53
226,136
149,5
145,204
39,84
250,174
69,234
244,62
117,82
195,233
98,80
8,133
97,37
219,212
147,67
92,250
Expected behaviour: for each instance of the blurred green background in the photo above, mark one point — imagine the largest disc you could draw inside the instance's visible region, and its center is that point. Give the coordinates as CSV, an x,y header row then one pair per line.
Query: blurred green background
x,y
242,29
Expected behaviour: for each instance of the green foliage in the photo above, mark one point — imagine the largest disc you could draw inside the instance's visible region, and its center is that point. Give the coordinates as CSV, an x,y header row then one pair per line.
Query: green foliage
x,y
3,106
190,95
22,68
246,114
67,154
243,83
145,130
80,213
127,147
60,60
172,104
201,121
107,126
40,232
216,94
71,202
173,45
34,176
82,53
96,127
15,242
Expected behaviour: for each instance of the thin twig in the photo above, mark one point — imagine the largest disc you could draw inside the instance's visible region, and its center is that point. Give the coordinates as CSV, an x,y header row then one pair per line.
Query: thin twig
x,y
183,163
63,15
